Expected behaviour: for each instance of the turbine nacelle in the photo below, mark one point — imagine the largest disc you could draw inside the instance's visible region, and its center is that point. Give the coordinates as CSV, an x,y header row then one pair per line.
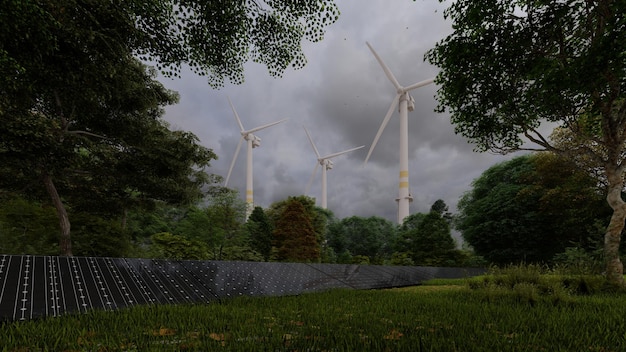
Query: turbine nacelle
x,y
256,141
402,94
410,102
326,164
253,141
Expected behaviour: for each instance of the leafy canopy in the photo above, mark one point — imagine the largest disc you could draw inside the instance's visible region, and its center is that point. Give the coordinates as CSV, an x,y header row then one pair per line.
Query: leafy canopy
x,y
509,65
216,38
531,208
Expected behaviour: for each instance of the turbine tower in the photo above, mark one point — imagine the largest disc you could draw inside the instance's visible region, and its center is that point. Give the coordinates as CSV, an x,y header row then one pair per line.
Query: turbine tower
x,y
252,141
327,164
406,103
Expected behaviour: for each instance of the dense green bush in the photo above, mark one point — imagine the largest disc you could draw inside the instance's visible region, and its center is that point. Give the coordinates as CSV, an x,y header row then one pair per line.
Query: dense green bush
x,y
168,246
533,283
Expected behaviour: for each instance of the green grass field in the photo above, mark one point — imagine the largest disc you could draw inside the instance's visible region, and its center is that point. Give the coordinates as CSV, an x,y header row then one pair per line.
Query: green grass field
x,y
438,316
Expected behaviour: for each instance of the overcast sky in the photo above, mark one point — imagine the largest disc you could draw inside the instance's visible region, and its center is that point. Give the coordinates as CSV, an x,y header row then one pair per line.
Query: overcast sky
x,y
341,96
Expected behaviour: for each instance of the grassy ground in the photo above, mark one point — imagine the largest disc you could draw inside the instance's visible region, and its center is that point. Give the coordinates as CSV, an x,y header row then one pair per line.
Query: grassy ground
x,y
439,316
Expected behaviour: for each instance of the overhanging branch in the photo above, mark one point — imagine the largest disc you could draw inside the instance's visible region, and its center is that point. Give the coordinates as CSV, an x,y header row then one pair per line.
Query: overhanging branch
x,y
87,133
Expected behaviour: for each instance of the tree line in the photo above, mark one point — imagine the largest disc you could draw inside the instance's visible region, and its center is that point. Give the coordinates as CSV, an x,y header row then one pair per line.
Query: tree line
x,y
509,216
294,230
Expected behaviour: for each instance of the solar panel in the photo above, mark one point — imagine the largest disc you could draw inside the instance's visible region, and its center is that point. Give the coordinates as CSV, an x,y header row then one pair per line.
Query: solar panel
x,y
42,286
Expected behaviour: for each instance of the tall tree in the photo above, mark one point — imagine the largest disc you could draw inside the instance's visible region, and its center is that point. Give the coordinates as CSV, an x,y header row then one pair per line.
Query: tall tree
x,y
260,230
70,87
80,113
432,243
318,217
511,64
427,238
99,153
295,235
530,208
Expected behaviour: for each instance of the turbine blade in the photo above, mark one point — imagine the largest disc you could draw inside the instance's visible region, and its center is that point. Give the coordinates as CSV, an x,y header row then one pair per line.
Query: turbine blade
x,y
265,126
390,75
236,115
420,84
308,185
393,105
232,164
311,141
330,156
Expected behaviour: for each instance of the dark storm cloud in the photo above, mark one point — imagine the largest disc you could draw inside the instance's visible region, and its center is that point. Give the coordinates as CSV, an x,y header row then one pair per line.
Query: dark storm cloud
x,y
341,96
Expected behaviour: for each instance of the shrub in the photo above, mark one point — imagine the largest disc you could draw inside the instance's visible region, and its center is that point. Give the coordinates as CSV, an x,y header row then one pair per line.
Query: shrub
x,y
531,283
575,260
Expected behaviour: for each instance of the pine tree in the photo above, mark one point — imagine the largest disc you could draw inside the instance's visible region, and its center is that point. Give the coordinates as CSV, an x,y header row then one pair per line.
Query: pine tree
x,y
295,236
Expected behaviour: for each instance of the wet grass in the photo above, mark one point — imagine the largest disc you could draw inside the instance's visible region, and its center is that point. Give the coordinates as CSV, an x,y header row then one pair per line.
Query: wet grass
x,y
438,316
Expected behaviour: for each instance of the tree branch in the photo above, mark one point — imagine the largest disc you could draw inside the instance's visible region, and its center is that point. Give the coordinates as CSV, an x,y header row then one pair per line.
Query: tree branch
x,y
87,133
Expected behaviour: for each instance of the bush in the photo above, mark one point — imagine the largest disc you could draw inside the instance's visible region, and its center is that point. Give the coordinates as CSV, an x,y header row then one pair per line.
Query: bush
x,y
576,260
401,258
532,283
168,246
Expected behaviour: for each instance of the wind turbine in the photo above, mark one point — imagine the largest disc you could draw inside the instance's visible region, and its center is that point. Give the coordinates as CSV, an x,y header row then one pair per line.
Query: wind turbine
x,y
252,141
326,163
406,104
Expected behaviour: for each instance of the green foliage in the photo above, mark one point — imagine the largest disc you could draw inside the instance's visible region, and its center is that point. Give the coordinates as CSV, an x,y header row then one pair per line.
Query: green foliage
x,y
27,228
530,208
427,238
360,260
217,38
94,236
355,236
508,65
469,259
401,258
141,223
244,253
82,113
226,215
411,222
260,230
579,261
319,218
533,283
168,246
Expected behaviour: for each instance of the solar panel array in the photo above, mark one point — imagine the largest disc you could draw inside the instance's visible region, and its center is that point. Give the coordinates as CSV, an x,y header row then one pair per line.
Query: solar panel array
x,y
40,286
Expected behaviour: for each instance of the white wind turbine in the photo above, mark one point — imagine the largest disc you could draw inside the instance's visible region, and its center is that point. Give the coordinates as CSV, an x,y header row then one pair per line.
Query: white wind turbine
x,y
326,163
407,103
253,141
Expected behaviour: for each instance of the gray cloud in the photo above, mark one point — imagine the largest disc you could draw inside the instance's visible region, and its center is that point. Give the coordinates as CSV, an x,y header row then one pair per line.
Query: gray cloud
x,y
341,96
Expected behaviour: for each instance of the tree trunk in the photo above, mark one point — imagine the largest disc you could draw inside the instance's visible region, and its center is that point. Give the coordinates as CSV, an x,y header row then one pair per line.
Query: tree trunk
x,y
124,218
65,243
614,266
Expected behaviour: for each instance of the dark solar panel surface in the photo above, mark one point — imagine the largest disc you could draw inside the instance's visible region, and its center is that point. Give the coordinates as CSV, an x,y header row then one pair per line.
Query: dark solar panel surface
x,y
40,286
